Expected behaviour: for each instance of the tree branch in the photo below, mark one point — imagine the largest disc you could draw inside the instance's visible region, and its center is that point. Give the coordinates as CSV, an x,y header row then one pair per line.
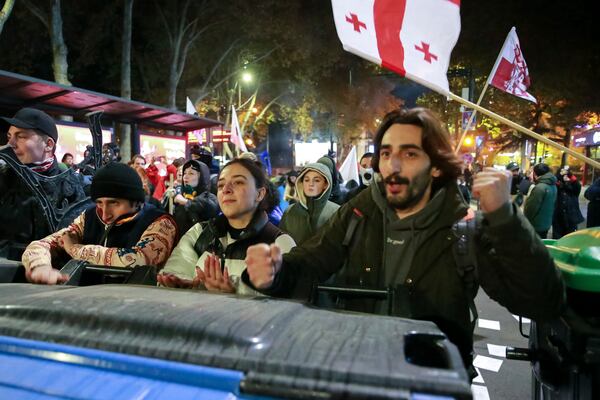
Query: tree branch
x,y
163,18
5,13
39,13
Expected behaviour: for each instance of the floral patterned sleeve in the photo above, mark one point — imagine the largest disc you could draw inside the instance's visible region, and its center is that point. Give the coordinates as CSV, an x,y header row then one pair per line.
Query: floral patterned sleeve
x,y
153,248
40,252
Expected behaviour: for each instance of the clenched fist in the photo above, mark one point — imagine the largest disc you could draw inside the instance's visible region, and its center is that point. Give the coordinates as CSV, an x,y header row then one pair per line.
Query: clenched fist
x,y
492,187
263,262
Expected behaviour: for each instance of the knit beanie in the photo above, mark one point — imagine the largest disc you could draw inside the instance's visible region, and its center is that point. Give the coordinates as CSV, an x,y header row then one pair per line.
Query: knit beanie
x,y
118,181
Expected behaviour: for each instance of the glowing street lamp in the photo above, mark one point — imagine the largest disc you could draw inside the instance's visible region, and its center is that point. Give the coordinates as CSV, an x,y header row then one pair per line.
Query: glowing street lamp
x,y
247,77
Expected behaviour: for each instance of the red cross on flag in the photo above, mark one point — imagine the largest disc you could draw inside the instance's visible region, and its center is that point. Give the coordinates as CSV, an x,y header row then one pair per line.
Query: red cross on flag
x,y
411,37
510,73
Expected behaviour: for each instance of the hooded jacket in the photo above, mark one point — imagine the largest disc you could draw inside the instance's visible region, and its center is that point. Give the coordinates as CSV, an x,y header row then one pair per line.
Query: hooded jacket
x,y
302,219
204,204
514,267
337,194
539,207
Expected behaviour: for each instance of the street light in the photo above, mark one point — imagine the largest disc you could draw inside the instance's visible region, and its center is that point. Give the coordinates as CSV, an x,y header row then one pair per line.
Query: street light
x,y
247,77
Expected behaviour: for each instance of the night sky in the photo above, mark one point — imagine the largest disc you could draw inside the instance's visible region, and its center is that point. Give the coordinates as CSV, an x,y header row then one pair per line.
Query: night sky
x,y
560,41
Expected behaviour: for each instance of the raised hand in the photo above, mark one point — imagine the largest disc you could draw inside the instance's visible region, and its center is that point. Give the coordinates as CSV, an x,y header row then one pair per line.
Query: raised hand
x,y
263,262
492,187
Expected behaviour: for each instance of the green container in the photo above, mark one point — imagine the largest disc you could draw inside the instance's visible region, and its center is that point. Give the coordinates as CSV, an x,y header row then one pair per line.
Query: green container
x,y
577,255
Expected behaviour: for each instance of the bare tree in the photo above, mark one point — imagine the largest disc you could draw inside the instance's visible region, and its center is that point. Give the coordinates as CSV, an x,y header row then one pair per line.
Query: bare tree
x,y
53,22
126,49
5,12
125,130
181,35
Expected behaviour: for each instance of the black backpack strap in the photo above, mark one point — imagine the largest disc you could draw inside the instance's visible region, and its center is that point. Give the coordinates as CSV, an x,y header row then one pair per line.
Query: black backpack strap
x,y
206,240
465,256
355,218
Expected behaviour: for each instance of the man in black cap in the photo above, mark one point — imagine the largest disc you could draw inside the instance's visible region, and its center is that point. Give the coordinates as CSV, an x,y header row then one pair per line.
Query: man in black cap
x,y
28,170
119,231
517,196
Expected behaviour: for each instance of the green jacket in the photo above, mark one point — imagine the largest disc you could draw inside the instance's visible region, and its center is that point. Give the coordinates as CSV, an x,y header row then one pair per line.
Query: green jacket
x,y
514,267
302,219
539,207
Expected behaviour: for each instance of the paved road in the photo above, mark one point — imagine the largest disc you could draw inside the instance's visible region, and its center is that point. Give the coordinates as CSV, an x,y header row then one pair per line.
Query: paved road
x,y
512,381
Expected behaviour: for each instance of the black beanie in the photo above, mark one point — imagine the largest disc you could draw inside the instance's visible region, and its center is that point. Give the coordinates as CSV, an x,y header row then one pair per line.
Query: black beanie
x,y
118,181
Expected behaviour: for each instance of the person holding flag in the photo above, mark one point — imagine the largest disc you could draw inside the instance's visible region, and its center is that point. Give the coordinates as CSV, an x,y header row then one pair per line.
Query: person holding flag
x,y
401,233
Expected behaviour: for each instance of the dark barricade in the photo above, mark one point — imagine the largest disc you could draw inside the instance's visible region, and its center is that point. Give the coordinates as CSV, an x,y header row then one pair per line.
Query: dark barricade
x,y
565,353
285,349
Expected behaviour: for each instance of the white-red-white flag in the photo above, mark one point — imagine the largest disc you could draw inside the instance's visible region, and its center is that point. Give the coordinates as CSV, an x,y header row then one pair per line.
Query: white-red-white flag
x,y
510,73
236,134
411,37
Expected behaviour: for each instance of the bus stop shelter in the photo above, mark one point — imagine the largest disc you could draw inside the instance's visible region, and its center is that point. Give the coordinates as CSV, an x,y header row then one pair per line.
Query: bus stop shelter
x,y
18,91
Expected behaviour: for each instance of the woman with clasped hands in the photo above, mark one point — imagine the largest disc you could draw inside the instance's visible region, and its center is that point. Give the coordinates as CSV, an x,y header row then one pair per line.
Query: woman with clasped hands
x,y
211,254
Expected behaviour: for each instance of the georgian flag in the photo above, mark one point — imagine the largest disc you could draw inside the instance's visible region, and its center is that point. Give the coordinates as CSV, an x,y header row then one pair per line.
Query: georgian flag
x,y
510,73
411,37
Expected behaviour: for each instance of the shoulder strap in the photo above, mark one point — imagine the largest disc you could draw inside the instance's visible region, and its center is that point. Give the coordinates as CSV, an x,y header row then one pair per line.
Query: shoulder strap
x,y
355,218
464,250
206,240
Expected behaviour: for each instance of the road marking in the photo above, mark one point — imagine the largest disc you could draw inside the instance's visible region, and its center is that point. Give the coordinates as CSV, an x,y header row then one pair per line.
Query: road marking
x,y
479,377
480,392
525,320
489,324
496,350
491,364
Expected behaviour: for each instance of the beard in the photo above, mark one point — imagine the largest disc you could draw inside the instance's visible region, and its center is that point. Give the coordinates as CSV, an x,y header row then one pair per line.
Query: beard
x,y
416,189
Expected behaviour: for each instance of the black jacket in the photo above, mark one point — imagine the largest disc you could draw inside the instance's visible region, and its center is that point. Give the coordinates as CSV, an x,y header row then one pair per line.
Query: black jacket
x,y
514,267
23,218
202,207
122,235
592,193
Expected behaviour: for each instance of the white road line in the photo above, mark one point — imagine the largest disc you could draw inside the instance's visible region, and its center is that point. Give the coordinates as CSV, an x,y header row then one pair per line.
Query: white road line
x,y
525,320
480,392
488,324
479,377
488,363
496,350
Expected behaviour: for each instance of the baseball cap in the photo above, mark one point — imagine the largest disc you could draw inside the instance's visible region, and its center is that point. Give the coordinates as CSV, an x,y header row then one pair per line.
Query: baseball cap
x,y
512,166
31,118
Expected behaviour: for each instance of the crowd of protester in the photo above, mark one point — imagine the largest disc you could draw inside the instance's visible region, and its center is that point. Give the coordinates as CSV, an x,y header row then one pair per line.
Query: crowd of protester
x,y
234,229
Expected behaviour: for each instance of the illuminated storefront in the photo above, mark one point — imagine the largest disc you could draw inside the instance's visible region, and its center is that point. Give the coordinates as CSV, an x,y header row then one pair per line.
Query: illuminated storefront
x,y
73,138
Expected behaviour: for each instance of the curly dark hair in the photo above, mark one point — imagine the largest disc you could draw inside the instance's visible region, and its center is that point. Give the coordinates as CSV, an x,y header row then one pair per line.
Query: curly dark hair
x,y
435,140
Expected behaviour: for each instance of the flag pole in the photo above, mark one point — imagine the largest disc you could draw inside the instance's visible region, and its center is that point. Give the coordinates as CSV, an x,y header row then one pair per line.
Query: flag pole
x,y
471,119
524,130
487,82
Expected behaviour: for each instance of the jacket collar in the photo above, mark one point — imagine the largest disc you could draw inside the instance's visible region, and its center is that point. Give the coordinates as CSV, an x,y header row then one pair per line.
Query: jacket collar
x,y
221,226
124,219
